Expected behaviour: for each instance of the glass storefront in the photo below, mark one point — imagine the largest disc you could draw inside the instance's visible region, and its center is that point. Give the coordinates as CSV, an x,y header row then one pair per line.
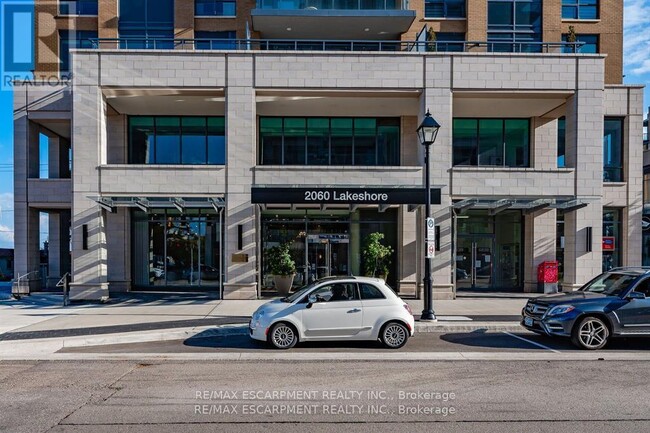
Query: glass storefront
x,y
611,238
177,250
326,243
488,251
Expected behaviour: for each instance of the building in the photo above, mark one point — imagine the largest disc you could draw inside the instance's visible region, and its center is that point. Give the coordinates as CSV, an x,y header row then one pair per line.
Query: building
x,y
646,194
202,133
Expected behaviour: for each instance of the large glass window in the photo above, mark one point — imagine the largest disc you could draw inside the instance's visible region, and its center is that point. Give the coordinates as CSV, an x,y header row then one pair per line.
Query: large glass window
x,y
580,9
176,140
78,7
444,9
177,249
491,142
217,8
590,44
611,238
445,41
146,24
514,25
561,142
215,40
613,150
69,39
329,141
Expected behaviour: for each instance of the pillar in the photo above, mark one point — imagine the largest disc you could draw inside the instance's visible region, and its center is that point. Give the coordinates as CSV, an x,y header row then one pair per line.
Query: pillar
x,y
539,244
58,247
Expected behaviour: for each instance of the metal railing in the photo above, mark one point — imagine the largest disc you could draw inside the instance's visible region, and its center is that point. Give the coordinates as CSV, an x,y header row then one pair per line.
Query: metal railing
x,y
20,285
385,5
334,45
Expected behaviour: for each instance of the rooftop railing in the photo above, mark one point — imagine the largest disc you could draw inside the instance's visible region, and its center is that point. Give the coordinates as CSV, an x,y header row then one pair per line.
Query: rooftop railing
x,y
381,5
334,45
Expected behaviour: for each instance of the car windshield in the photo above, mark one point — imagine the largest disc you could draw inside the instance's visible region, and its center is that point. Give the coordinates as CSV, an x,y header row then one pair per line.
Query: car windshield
x,y
610,284
298,294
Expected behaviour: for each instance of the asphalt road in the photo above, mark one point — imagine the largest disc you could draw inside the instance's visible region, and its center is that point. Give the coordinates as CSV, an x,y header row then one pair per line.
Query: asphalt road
x,y
479,341
178,397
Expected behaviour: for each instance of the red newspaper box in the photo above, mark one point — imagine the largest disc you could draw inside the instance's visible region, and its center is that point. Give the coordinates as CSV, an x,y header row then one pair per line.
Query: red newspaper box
x,y
547,277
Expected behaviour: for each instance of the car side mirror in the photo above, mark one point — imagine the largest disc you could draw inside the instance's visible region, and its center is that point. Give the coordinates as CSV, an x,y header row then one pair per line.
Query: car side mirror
x,y
635,295
311,300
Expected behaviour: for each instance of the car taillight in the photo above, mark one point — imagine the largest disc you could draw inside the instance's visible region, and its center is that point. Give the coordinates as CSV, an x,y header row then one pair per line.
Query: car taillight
x,y
408,308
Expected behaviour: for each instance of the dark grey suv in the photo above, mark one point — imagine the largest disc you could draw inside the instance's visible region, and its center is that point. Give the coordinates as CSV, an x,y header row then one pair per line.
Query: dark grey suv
x,y
614,304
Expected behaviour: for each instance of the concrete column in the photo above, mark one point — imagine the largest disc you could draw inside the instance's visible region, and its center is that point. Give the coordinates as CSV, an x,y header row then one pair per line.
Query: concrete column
x,y
241,277
58,247
539,244
118,245
437,97
407,249
89,256
584,136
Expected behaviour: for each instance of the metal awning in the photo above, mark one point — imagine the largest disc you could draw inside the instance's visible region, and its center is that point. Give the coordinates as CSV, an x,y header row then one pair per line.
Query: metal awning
x,y
528,205
146,204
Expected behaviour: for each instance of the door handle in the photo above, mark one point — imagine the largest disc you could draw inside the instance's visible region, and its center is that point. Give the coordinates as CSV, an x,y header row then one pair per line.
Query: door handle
x,y
355,310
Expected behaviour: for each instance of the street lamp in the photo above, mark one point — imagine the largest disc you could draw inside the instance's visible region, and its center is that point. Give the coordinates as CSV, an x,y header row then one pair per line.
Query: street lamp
x,y
427,132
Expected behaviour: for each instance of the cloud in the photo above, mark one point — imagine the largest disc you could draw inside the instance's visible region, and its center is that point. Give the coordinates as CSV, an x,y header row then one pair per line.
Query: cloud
x,y
6,236
636,45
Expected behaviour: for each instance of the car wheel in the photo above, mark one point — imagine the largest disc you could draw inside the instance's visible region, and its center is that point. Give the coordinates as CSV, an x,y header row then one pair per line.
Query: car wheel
x,y
590,333
283,336
394,335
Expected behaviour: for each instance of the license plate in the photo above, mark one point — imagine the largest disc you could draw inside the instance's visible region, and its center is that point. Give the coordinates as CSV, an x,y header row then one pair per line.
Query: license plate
x,y
528,321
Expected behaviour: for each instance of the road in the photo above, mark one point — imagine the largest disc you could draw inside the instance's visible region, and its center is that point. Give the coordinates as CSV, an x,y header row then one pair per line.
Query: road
x,y
339,396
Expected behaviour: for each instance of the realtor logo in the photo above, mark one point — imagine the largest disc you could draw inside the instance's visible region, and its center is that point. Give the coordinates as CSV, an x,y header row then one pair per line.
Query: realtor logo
x,y
17,39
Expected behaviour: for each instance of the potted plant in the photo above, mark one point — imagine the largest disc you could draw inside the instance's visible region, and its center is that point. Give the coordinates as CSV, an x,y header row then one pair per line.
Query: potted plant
x,y
282,266
431,38
376,256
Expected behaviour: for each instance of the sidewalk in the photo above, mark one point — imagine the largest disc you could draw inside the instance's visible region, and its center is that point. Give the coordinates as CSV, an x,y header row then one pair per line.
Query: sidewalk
x,y
40,319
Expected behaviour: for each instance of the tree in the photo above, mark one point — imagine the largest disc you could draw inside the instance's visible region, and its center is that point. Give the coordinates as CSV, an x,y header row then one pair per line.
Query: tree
x,y
376,255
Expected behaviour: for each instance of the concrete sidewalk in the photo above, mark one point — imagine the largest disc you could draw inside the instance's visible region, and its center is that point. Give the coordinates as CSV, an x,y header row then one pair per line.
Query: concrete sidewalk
x,y
41,320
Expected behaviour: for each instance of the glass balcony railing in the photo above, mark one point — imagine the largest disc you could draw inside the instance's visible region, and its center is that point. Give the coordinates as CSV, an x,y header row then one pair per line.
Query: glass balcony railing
x,y
379,5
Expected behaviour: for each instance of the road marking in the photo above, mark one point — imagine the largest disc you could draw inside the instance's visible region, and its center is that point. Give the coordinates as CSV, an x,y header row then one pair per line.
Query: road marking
x,y
534,343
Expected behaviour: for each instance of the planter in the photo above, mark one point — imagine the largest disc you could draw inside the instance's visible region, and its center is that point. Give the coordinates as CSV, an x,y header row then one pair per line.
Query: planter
x,y
283,283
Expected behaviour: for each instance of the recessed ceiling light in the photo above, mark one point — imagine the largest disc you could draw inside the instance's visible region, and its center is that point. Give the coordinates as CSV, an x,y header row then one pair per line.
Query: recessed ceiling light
x,y
366,29
288,29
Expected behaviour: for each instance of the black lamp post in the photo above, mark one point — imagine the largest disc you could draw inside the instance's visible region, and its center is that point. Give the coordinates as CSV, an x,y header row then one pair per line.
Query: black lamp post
x,y
427,132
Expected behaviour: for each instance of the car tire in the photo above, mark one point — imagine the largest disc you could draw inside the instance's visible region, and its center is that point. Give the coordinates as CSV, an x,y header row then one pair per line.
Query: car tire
x,y
283,336
394,335
590,333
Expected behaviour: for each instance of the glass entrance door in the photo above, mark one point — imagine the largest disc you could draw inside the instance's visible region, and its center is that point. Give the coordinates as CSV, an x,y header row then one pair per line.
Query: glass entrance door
x,y
327,255
474,262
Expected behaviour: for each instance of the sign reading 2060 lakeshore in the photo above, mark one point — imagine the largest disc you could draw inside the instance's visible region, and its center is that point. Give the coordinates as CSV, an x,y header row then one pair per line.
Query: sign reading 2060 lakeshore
x,y
342,195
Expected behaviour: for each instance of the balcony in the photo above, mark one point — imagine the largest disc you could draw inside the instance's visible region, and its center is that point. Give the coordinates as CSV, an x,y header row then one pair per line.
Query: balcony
x,y
314,19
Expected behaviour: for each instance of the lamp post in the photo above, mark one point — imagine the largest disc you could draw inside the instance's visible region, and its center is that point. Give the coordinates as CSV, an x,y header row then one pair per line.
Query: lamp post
x,y
427,132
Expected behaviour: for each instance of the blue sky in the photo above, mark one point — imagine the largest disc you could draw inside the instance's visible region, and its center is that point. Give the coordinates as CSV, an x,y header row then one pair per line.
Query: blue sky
x,y
636,70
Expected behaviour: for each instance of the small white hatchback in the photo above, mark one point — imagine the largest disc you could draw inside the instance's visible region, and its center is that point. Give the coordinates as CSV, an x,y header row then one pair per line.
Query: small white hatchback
x,y
336,308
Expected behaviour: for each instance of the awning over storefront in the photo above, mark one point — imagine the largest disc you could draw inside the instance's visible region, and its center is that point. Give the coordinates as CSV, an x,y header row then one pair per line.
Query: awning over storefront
x,y
110,203
527,205
352,197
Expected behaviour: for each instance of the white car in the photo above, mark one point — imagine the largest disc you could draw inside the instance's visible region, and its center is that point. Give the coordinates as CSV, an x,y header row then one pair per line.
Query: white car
x,y
337,308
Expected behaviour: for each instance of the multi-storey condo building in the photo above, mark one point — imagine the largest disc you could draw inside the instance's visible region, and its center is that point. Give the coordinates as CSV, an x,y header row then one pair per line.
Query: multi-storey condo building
x,y
187,137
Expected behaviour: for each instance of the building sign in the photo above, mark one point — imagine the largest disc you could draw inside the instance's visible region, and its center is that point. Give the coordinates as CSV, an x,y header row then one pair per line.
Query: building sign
x,y
609,243
353,195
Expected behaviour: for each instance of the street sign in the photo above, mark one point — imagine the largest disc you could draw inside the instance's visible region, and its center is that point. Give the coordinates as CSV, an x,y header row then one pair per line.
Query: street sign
x,y
431,249
431,229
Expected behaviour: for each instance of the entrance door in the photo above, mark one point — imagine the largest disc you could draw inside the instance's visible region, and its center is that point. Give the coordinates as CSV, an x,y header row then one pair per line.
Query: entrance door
x,y
328,255
474,262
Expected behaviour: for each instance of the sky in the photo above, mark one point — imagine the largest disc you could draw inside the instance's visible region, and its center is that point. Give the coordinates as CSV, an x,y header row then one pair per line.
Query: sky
x,y
636,69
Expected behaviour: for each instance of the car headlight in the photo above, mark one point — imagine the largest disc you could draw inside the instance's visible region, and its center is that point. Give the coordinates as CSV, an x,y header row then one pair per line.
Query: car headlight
x,y
560,309
258,315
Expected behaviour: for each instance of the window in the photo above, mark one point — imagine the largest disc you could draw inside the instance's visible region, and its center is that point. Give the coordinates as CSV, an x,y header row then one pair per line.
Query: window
x,y
445,41
215,40
146,24
214,8
329,141
336,292
613,150
177,140
369,291
590,44
491,142
514,25
612,230
561,142
69,39
78,7
444,9
580,9
643,287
